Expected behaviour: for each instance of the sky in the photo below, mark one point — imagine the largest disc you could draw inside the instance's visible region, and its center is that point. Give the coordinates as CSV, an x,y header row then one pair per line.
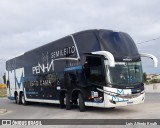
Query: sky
x,y
27,24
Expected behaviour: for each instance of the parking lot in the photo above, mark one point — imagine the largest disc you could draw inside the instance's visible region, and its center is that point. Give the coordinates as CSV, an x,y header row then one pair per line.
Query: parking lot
x,y
150,109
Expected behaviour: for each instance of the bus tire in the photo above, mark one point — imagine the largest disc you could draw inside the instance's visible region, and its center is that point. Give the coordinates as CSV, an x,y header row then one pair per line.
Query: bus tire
x,y
68,103
61,100
82,107
24,102
18,99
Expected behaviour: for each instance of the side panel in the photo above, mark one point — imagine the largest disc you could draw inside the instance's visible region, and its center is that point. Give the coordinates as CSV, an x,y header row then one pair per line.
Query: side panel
x,y
14,82
19,77
44,69
10,84
45,86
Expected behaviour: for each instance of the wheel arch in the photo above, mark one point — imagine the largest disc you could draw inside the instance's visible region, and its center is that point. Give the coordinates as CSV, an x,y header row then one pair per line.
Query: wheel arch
x,y
75,92
62,93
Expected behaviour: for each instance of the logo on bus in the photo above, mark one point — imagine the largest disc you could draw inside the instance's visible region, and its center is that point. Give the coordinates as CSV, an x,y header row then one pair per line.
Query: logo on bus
x,y
118,99
59,54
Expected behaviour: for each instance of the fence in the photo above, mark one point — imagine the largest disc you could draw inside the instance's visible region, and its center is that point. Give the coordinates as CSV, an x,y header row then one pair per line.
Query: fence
x,y
153,88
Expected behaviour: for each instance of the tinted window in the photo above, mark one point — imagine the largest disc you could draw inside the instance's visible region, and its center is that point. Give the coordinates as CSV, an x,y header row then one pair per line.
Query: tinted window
x,y
93,70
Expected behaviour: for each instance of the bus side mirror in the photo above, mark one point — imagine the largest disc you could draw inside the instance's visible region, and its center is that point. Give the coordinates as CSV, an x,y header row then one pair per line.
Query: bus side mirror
x,y
108,56
155,60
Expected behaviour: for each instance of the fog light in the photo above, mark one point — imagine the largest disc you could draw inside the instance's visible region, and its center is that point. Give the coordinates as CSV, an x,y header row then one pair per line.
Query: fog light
x,y
113,102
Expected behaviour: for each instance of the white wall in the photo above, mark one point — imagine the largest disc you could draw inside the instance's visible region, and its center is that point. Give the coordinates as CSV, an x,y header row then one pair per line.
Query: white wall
x,y
152,88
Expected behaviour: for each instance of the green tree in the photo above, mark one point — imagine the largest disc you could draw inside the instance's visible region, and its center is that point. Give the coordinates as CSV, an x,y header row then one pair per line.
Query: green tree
x,y
4,78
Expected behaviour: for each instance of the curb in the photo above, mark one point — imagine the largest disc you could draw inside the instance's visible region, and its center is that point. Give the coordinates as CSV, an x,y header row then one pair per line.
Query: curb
x,y
151,92
3,111
3,97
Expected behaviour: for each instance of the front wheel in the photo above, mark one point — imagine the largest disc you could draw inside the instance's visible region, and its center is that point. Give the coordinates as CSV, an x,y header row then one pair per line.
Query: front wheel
x,y
62,100
81,103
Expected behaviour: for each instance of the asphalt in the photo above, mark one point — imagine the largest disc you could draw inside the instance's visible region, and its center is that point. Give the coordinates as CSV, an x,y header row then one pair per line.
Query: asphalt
x,y
150,109
3,111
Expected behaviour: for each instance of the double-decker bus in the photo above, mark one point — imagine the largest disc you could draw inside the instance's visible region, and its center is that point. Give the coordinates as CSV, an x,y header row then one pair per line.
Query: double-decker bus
x,y
100,68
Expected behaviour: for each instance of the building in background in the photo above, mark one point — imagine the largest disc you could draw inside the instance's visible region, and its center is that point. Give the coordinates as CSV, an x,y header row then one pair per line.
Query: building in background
x,y
153,78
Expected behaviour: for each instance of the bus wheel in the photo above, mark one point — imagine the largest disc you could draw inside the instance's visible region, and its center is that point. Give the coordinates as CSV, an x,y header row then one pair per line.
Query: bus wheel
x,y
18,99
61,100
68,103
81,103
24,102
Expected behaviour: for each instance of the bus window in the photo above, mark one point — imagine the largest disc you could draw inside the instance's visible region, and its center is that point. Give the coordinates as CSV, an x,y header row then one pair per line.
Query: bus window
x,y
93,70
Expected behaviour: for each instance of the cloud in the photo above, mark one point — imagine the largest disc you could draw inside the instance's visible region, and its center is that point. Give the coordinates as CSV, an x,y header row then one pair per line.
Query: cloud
x,y
25,25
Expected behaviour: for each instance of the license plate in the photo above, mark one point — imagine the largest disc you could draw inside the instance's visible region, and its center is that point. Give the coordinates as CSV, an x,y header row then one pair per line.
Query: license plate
x,y
129,102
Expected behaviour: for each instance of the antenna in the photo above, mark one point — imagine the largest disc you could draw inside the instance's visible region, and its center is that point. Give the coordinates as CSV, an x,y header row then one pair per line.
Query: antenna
x,y
149,40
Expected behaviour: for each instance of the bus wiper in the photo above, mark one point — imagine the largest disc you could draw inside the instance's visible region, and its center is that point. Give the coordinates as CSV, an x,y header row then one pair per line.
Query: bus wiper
x,y
119,84
137,83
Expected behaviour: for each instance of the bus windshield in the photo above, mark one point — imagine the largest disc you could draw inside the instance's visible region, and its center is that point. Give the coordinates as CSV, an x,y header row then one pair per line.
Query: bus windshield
x,y
125,73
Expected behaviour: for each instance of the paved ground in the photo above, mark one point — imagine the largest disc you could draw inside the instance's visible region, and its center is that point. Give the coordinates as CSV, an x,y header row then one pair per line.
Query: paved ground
x,y
148,110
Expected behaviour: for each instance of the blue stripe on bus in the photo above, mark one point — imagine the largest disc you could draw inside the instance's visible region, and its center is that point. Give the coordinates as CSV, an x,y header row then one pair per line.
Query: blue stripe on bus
x,y
11,98
41,99
73,68
31,92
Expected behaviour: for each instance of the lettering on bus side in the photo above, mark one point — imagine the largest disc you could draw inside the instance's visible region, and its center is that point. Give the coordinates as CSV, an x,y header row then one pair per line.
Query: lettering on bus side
x,y
46,66
63,52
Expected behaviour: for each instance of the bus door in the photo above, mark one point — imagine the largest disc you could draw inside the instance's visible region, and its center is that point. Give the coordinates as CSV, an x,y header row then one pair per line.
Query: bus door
x,y
94,73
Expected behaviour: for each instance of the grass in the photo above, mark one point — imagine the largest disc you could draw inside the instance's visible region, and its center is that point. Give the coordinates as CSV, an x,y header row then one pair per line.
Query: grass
x,y
3,93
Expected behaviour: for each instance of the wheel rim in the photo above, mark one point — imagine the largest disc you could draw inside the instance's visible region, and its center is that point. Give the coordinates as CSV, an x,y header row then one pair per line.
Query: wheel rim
x,y
78,101
17,98
65,101
23,100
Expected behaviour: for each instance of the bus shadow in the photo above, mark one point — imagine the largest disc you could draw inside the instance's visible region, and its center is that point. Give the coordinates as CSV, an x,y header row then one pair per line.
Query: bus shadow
x,y
75,108
116,110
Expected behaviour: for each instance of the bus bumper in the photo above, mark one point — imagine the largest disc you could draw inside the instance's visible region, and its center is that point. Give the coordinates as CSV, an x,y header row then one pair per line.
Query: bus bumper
x,y
115,101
